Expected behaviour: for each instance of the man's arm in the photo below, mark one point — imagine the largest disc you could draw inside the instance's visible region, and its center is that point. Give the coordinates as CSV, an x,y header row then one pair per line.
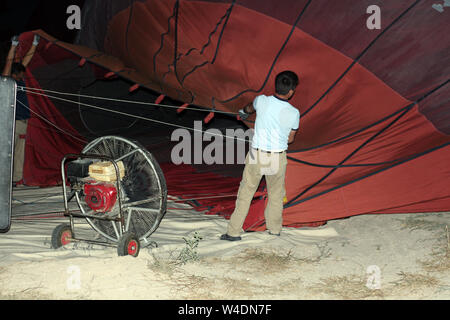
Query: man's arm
x,y
294,127
9,59
26,60
292,136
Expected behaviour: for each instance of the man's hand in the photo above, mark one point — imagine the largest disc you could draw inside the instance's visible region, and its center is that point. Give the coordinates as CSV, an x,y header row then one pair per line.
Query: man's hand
x,y
249,109
243,115
15,41
36,39
246,111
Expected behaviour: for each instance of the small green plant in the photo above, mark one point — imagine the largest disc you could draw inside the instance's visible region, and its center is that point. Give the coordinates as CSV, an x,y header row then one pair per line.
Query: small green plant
x,y
189,252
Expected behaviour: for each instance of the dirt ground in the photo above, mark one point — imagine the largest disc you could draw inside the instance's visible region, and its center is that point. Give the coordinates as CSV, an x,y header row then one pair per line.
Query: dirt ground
x,y
390,256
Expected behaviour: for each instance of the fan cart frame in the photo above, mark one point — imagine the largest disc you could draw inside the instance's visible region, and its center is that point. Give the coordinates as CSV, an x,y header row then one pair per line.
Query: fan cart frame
x,y
126,242
136,214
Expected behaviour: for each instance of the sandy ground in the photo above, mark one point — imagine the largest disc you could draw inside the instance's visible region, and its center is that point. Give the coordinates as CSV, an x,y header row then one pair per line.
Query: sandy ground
x,y
391,256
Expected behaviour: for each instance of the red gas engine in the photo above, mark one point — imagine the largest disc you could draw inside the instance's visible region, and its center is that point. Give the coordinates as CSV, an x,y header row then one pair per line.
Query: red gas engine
x,y
97,181
100,196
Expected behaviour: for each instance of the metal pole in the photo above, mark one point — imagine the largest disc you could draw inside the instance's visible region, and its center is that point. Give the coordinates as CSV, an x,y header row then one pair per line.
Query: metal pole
x,y
8,92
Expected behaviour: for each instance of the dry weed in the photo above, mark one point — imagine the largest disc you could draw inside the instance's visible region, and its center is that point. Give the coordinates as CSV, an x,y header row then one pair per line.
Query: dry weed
x,y
440,261
413,281
349,287
26,294
413,285
266,261
414,223
164,266
195,287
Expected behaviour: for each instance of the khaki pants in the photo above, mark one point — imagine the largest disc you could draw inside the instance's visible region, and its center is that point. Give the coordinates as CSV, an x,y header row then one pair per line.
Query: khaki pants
x,y
273,167
19,149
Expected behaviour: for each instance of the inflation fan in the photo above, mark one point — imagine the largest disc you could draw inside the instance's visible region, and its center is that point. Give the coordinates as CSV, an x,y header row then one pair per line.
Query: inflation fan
x,y
120,190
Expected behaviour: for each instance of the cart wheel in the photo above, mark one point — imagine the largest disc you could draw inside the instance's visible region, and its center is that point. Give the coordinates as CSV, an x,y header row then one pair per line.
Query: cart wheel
x,y
128,245
61,235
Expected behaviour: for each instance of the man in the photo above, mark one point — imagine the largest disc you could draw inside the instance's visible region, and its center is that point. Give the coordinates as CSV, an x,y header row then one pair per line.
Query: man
x,y
17,71
276,124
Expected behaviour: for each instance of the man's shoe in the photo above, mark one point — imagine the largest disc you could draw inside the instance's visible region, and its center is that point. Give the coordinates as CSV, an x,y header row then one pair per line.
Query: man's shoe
x,y
274,234
229,238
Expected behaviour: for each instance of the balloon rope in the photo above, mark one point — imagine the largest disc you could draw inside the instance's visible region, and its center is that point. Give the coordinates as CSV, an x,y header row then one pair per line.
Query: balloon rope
x,y
133,116
37,90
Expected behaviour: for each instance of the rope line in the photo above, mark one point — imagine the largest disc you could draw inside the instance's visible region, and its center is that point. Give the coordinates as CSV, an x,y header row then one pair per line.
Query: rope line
x,y
203,198
51,123
135,116
294,159
124,101
102,132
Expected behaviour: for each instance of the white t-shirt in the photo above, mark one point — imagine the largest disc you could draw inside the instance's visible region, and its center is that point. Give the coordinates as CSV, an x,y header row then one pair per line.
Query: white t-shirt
x,y
275,118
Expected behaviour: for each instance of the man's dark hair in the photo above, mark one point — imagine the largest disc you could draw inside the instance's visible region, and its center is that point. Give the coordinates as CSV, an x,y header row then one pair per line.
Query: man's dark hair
x,y
285,81
17,68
